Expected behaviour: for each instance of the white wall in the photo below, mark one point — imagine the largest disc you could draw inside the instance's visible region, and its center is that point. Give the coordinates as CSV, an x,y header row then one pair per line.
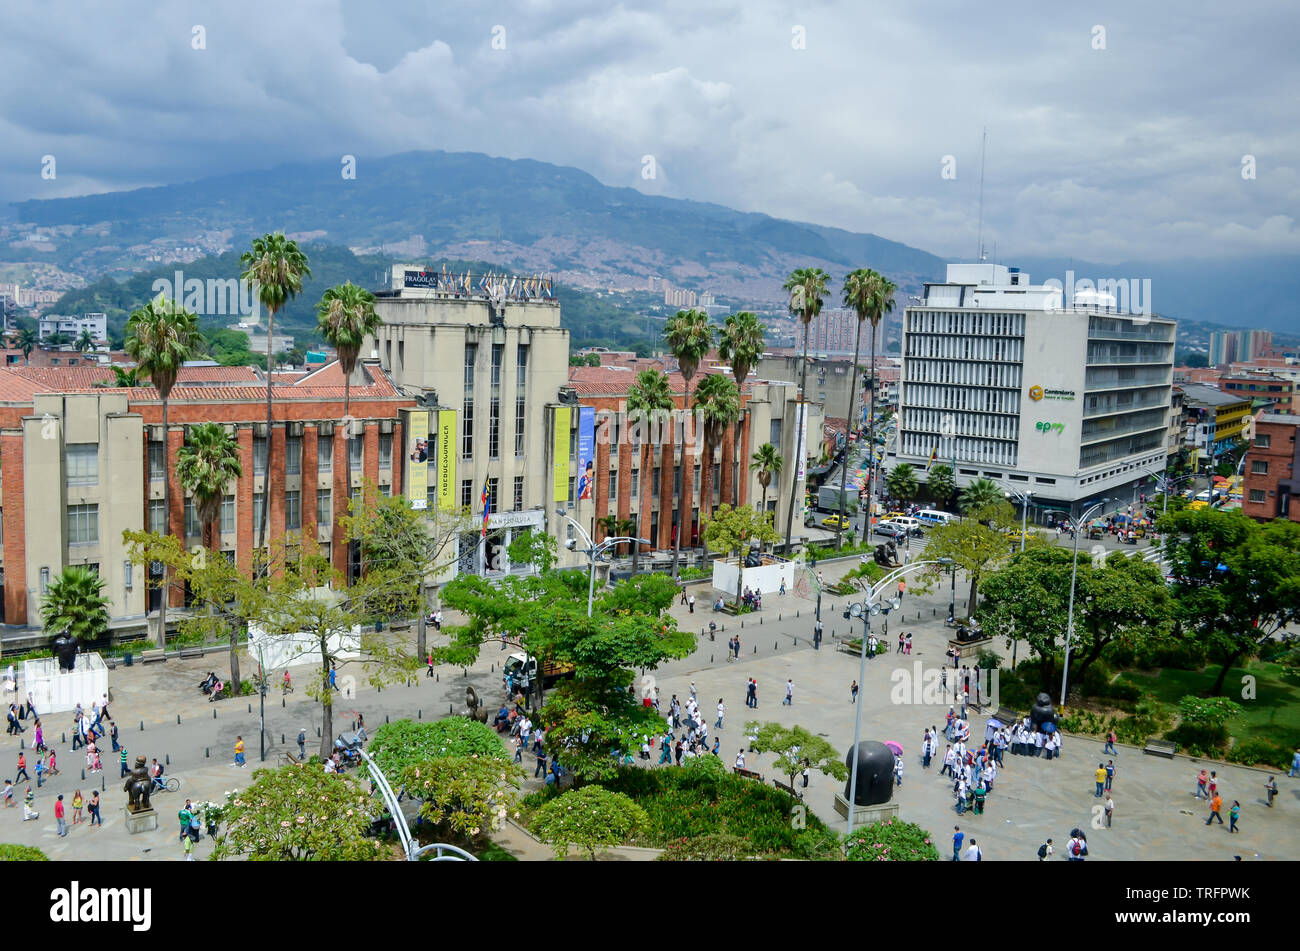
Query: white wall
x,y
284,650
765,578
55,691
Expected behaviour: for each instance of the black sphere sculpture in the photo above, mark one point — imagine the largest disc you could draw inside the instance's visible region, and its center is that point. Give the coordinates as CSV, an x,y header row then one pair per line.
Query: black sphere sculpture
x,y
875,774
1041,712
65,649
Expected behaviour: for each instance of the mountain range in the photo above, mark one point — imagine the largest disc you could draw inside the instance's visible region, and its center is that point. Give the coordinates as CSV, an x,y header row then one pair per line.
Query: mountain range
x,y
535,217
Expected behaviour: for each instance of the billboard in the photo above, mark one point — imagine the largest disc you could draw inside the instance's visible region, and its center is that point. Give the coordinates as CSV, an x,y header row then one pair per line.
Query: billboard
x,y
417,458
446,459
586,451
561,450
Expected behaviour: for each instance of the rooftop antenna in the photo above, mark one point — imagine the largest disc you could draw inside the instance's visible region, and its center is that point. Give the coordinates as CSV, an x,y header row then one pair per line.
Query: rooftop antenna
x,y
979,251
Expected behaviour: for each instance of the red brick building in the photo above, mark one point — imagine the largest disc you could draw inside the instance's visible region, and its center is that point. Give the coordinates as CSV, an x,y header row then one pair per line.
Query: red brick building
x,y
1272,469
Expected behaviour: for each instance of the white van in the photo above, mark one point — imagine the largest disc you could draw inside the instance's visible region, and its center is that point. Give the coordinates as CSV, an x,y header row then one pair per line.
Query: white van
x,y
935,517
909,523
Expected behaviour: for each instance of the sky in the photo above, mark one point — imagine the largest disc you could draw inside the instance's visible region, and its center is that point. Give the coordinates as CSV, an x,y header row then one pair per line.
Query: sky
x,y
1115,131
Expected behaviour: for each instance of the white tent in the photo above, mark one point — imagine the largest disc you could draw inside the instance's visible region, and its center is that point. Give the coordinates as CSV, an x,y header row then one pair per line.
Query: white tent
x,y
54,690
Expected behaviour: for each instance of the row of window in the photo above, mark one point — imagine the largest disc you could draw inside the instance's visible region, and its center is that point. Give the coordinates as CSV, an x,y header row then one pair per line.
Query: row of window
x,y
1129,353
494,402
1119,449
1122,402
1110,327
84,458
932,421
965,348
1104,377
947,397
979,323
1006,375
967,449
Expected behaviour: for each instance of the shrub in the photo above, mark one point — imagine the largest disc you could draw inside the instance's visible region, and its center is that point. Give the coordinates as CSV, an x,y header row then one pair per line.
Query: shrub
x,y
403,743
1261,752
986,659
590,817
1199,739
21,853
1096,680
890,841
714,847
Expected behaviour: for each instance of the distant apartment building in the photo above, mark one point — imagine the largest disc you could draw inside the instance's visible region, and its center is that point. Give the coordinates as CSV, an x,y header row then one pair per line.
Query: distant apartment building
x,y
836,330
1268,392
679,298
1223,347
1213,420
1272,469
1254,344
72,327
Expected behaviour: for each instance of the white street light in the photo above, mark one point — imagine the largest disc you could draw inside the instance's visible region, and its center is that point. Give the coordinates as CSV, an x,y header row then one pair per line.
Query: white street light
x,y
594,551
1074,572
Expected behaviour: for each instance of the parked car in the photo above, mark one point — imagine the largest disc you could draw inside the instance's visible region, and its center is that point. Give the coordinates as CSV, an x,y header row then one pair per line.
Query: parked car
x,y
890,530
836,521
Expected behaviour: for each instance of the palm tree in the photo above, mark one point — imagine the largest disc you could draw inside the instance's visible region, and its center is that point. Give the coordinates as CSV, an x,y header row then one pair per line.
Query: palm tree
x,y
27,340
74,603
806,286
649,399
717,401
205,465
160,337
980,494
345,316
741,345
871,296
766,463
85,341
122,379
901,483
609,525
276,266
690,338
942,483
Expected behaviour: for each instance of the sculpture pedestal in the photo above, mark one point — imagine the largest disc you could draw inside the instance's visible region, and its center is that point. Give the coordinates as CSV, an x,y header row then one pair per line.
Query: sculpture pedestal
x,y
864,815
144,821
966,649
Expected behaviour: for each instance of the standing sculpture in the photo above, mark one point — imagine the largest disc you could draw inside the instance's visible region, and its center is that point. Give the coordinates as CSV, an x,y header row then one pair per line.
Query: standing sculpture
x,y
1041,712
64,647
476,711
137,787
875,774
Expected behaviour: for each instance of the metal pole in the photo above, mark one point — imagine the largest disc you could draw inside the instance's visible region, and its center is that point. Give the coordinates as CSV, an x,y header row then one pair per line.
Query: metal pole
x,y
261,699
1074,573
591,579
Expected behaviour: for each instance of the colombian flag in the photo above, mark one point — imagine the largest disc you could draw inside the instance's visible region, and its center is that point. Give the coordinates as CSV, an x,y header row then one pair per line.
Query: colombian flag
x,y
933,454
486,502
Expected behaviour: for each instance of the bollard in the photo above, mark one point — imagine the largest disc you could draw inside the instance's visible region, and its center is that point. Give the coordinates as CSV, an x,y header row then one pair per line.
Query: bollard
x,y
776,645
354,726
755,648
103,783
317,731
419,715
250,708
760,620
22,744
710,658
282,739
207,752
796,613
178,719
742,625
385,717
450,709
168,759
142,723
214,715
282,704
63,738
83,775
437,677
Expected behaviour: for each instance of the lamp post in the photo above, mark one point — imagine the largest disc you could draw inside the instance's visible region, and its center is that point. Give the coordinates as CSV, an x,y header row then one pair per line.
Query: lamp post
x,y
594,551
1074,573
1024,499
1162,483
866,609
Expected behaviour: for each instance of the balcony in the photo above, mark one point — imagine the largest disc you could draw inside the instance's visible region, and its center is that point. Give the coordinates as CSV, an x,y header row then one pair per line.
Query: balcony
x,y
1089,439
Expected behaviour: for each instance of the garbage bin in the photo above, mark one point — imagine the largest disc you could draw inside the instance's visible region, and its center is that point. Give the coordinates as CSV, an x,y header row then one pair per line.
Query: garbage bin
x,y
379,625
127,659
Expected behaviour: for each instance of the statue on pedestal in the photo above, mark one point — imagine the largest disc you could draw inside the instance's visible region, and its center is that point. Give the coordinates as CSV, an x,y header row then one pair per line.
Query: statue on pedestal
x,y
137,787
875,774
1041,712
64,647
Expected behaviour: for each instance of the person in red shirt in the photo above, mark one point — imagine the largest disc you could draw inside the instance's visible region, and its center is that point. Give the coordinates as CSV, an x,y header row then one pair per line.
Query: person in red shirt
x,y
58,816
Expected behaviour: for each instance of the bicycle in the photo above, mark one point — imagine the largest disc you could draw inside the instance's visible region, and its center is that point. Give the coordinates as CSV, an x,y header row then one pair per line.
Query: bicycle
x,y
169,784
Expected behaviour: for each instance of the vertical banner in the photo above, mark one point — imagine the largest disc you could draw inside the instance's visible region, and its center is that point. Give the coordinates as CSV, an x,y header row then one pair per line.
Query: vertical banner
x,y
446,460
586,451
802,427
561,450
417,458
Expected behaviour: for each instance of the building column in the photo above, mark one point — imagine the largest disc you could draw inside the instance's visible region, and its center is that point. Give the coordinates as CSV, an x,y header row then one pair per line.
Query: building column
x,y
245,527
176,512
339,498
308,481
15,527
275,473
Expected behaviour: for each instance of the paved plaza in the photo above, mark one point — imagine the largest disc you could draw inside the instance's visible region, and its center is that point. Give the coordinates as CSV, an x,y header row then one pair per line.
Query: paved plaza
x,y
1156,816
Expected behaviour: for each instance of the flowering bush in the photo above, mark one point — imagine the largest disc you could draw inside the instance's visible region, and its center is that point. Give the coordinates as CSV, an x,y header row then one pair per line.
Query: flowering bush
x,y
713,847
890,841
589,818
470,794
405,743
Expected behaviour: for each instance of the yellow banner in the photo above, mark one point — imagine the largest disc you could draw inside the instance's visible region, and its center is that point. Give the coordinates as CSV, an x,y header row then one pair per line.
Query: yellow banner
x,y
417,458
562,420
447,460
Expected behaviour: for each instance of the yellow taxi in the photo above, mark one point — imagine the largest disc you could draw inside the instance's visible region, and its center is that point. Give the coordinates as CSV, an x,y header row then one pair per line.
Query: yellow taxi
x,y
836,521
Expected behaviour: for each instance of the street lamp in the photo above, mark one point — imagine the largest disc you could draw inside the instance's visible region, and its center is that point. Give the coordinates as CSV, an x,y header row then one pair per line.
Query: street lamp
x,y
866,609
594,551
1163,484
1024,499
1074,572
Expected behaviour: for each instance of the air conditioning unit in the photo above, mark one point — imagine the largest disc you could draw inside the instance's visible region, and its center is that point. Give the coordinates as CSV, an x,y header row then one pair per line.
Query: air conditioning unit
x,y
260,430
325,428
568,395
386,427
293,429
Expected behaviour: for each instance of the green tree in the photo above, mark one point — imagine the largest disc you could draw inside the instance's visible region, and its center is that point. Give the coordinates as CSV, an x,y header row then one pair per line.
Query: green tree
x,y
980,494
732,530
160,337
298,813
740,344
399,745
276,267
901,482
1121,599
345,318
1236,582
766,463
973,547
468,795
807,286
871,297
792,745
74,602
122,378
717,405
1028,600
589,818
649,405
689,336
27,340
942,483
85,341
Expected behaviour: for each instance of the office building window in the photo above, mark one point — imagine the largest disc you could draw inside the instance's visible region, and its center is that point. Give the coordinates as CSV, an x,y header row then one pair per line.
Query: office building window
x,y
695,482
467,407
293,455
356,450
192,526
613,484
521,387
1263,440
677,481
466,493
774,434
81,463
83,524
259,456
570,489
385,450
292,511
324,453
521,366
717,480
519,493
494,427
1257,495
157,461
494,497
634,489
520,411
655,484
259,499
497,350
157,517
324,507
1259,467
227,514
616,432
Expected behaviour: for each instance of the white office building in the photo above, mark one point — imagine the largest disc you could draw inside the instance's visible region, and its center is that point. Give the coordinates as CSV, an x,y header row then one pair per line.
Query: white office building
x,y
72,327
1007,381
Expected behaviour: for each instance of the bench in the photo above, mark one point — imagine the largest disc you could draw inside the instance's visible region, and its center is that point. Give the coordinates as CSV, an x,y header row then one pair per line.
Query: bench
x,y
747,773
150,656
1007,717
794,793
187,652
1163,748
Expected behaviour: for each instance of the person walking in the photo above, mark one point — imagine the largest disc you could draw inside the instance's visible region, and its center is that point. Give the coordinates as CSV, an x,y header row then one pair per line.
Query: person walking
x,y
1233,814
902,640
957,837
1110,773
722,711
112,733
187,846
1045,851
52,764
184,816
239,752
817,635
63,826
1202,780
853,692
1100,776
302,743
789,693
428,662
77,804
38,741
22,768
1215,805
93,808
1110,743
29,801
973,853
690,602
1110,809
40,772
1270,788
1295,765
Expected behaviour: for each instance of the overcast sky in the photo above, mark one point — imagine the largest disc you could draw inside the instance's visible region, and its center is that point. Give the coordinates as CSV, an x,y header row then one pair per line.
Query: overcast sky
x,y
1131,151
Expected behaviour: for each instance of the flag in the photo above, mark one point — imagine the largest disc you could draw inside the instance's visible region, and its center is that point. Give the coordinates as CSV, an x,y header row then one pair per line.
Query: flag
x,y
486,501
933,454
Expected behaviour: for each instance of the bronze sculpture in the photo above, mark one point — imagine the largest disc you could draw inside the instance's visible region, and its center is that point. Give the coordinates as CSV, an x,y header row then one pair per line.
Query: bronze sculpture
x,y
137,787
64,647
875,774
1041,712
477,711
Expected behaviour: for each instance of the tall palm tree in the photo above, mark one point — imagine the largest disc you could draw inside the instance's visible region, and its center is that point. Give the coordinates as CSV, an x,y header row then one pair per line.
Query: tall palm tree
x,y
160,337
74,602
980,494
766,463
806,286
690,338
649,400
205,465
345,316
871,296
27,340
85,341
741,345
717,401
276,266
